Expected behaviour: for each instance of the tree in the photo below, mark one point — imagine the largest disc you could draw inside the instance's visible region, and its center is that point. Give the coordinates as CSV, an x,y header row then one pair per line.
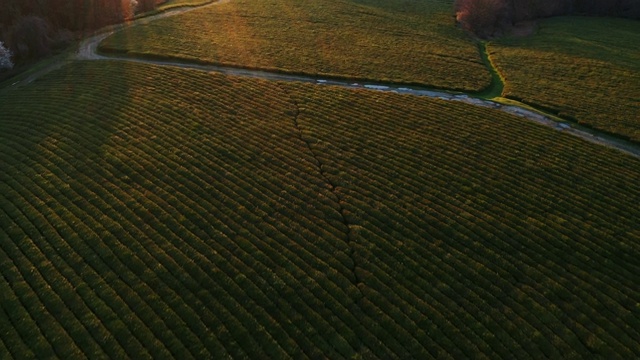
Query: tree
x,y
146,5
481,17
30,37
5,58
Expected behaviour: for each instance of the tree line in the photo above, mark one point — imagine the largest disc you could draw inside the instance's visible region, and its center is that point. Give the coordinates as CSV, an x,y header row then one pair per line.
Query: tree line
x,y
31,29
487,18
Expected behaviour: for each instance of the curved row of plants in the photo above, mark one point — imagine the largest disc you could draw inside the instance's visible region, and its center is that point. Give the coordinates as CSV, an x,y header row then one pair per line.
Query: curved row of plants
x,y
144,225
478,235
161,212
584,69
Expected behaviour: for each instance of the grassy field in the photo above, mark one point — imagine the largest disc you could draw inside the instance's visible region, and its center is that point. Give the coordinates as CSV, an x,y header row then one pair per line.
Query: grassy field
x,y
399,41
158,212
587,69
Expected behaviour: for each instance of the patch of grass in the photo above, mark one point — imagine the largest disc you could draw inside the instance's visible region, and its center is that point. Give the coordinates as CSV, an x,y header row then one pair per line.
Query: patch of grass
x,y
495,89
395,41
160,212
173,4
586,69
178,3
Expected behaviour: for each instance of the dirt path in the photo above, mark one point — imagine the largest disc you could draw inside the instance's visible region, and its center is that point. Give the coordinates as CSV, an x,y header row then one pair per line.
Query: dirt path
x,y
88,51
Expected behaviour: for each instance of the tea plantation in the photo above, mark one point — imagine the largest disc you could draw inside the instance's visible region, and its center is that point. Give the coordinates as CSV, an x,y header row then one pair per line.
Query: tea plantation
x,y
157,212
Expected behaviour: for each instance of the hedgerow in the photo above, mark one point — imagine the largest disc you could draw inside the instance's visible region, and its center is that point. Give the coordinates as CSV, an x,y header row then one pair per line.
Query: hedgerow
x,y
160,212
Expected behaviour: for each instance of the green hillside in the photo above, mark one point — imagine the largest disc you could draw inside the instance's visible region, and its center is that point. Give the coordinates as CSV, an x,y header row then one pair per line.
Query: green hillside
x,y
156,212
587,69
399,41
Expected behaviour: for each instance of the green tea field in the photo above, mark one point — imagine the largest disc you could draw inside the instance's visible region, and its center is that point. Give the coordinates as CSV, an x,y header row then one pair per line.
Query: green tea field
x,y
158,212
587,69
397,41
165,210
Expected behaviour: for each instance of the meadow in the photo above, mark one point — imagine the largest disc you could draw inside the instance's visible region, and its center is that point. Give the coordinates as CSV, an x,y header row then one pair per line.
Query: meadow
x,y
160,212
395,41
585,69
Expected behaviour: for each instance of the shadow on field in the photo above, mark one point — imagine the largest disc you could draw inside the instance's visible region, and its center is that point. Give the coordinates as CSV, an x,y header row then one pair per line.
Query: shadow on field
x,y
53,137
62,118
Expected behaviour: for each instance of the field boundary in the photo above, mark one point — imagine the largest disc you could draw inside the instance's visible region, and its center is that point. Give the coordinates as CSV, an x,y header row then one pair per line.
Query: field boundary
x,y
496,87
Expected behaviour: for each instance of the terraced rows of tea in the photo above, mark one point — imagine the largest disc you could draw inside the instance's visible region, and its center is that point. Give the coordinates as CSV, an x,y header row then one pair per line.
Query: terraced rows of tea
x,y
587,69
159,212
393,40
476,233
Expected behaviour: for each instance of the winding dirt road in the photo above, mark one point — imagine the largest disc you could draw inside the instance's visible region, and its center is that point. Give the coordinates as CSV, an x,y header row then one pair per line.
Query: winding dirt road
x,y
88,51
